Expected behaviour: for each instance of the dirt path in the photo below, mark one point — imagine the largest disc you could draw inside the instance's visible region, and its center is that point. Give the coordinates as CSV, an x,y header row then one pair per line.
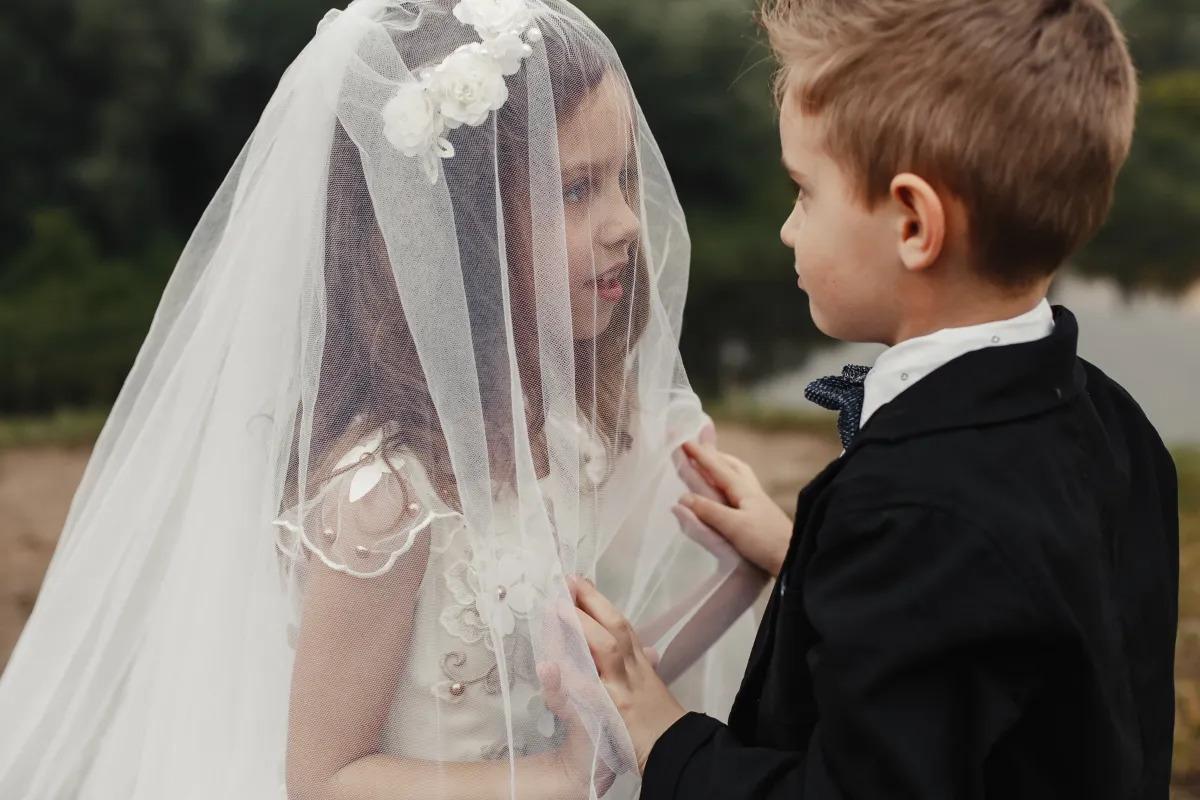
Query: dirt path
x,y
36,486
37,483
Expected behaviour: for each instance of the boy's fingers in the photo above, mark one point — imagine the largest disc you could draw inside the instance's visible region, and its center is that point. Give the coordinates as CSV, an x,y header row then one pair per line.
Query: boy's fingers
x,y
595,605
703,534
601,644
718,516
598,607
739,465
692,478
599,641
720,472
553,695
652,655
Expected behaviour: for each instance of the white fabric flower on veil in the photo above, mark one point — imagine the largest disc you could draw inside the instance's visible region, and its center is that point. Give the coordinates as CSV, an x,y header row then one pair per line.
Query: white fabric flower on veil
x,y
465,87
509,50
492,18
413,125
468,85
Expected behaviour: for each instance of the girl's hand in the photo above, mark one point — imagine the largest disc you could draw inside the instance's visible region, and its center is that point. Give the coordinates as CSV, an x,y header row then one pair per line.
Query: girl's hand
x,y
733,503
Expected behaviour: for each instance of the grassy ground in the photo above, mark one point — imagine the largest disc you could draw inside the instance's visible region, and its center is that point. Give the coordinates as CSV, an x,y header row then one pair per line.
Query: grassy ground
x,y
1187,661
63,429
42,459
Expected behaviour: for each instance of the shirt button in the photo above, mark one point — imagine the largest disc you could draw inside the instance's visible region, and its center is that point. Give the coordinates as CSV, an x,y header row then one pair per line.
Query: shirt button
x,y
903,376
995,340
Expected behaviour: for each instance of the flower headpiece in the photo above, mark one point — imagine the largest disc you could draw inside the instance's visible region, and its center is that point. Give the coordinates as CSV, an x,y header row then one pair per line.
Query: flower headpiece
x,y
465,87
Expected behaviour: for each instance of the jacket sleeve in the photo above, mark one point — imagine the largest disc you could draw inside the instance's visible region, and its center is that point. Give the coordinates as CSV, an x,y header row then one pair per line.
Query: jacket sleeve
x,y
926,637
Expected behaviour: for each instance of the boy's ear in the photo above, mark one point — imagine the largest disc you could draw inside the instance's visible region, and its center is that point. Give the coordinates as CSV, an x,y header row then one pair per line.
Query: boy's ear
x,y
921,219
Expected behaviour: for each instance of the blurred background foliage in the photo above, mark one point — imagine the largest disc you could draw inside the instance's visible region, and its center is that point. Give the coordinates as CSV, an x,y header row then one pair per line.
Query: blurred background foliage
x,y
124,115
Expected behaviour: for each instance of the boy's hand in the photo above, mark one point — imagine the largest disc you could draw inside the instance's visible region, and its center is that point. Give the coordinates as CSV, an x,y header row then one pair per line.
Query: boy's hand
x,y
571,763
626,669
734,504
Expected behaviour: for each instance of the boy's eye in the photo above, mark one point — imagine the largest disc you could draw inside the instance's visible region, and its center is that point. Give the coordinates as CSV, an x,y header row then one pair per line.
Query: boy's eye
x,y
801,193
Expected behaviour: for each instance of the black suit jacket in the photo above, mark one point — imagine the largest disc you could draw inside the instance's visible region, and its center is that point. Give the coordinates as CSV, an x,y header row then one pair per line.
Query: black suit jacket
x,y
979,601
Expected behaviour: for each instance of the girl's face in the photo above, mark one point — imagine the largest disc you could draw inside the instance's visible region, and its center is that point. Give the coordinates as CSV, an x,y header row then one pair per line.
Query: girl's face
x,y
599,202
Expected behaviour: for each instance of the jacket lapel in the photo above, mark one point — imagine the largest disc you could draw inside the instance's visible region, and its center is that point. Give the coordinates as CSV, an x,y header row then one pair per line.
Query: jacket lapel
x,y
978,388
745,706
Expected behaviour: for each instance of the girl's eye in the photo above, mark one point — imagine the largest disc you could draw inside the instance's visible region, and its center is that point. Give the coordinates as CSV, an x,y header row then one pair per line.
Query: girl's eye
x,y
801,194
576,191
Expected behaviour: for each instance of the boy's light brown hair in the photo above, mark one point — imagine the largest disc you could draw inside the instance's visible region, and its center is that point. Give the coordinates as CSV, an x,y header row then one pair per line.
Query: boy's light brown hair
x,y
1023,109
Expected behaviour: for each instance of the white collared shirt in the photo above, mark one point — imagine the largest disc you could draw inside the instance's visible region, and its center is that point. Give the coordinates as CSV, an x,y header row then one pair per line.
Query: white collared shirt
x,y
902,365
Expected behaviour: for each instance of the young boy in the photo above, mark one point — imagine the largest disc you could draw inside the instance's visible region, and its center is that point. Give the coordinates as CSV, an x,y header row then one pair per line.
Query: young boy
x,y
978,598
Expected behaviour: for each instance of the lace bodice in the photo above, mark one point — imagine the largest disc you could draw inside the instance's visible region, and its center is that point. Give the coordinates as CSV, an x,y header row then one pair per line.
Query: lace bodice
x,y
449,704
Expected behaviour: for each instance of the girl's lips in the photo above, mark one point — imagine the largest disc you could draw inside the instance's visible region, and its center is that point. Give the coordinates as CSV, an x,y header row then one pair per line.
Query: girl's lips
x,y
610,289
608,283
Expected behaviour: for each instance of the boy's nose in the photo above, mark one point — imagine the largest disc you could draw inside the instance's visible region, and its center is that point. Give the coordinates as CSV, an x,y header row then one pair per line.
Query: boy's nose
x,y
787,233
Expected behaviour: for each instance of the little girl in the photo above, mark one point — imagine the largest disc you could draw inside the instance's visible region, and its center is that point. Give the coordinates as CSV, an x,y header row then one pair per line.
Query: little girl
x,y
417,366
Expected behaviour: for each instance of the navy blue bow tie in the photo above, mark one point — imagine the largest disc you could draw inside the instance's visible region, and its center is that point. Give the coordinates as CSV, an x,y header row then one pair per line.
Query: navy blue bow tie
x,y
844,394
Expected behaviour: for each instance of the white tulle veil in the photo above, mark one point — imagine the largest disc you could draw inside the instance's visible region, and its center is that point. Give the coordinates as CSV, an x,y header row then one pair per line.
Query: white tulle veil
x,y
417,363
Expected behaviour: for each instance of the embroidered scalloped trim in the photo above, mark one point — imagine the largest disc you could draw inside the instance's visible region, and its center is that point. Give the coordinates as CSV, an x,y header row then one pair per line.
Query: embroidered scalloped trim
x,y
298,530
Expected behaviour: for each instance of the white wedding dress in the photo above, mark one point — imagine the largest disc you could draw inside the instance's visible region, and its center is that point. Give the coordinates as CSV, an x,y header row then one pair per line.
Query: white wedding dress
x,y
449,705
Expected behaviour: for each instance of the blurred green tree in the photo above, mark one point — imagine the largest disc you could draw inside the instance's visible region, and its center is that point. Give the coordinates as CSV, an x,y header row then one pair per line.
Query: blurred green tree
x,y
125,114
1152,236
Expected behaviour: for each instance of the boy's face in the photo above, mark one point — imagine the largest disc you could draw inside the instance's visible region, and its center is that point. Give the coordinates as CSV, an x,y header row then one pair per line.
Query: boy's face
x,y
846,256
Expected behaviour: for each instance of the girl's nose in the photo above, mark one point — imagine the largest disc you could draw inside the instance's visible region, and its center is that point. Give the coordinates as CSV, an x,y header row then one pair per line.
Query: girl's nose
x,y
621,225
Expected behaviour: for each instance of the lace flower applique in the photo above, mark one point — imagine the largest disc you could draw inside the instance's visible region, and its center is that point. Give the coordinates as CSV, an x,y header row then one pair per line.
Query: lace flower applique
x,y
497,589
595,465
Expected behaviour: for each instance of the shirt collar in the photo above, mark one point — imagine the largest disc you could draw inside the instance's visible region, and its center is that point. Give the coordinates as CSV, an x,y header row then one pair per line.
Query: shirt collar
x,y
987,387
906,363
